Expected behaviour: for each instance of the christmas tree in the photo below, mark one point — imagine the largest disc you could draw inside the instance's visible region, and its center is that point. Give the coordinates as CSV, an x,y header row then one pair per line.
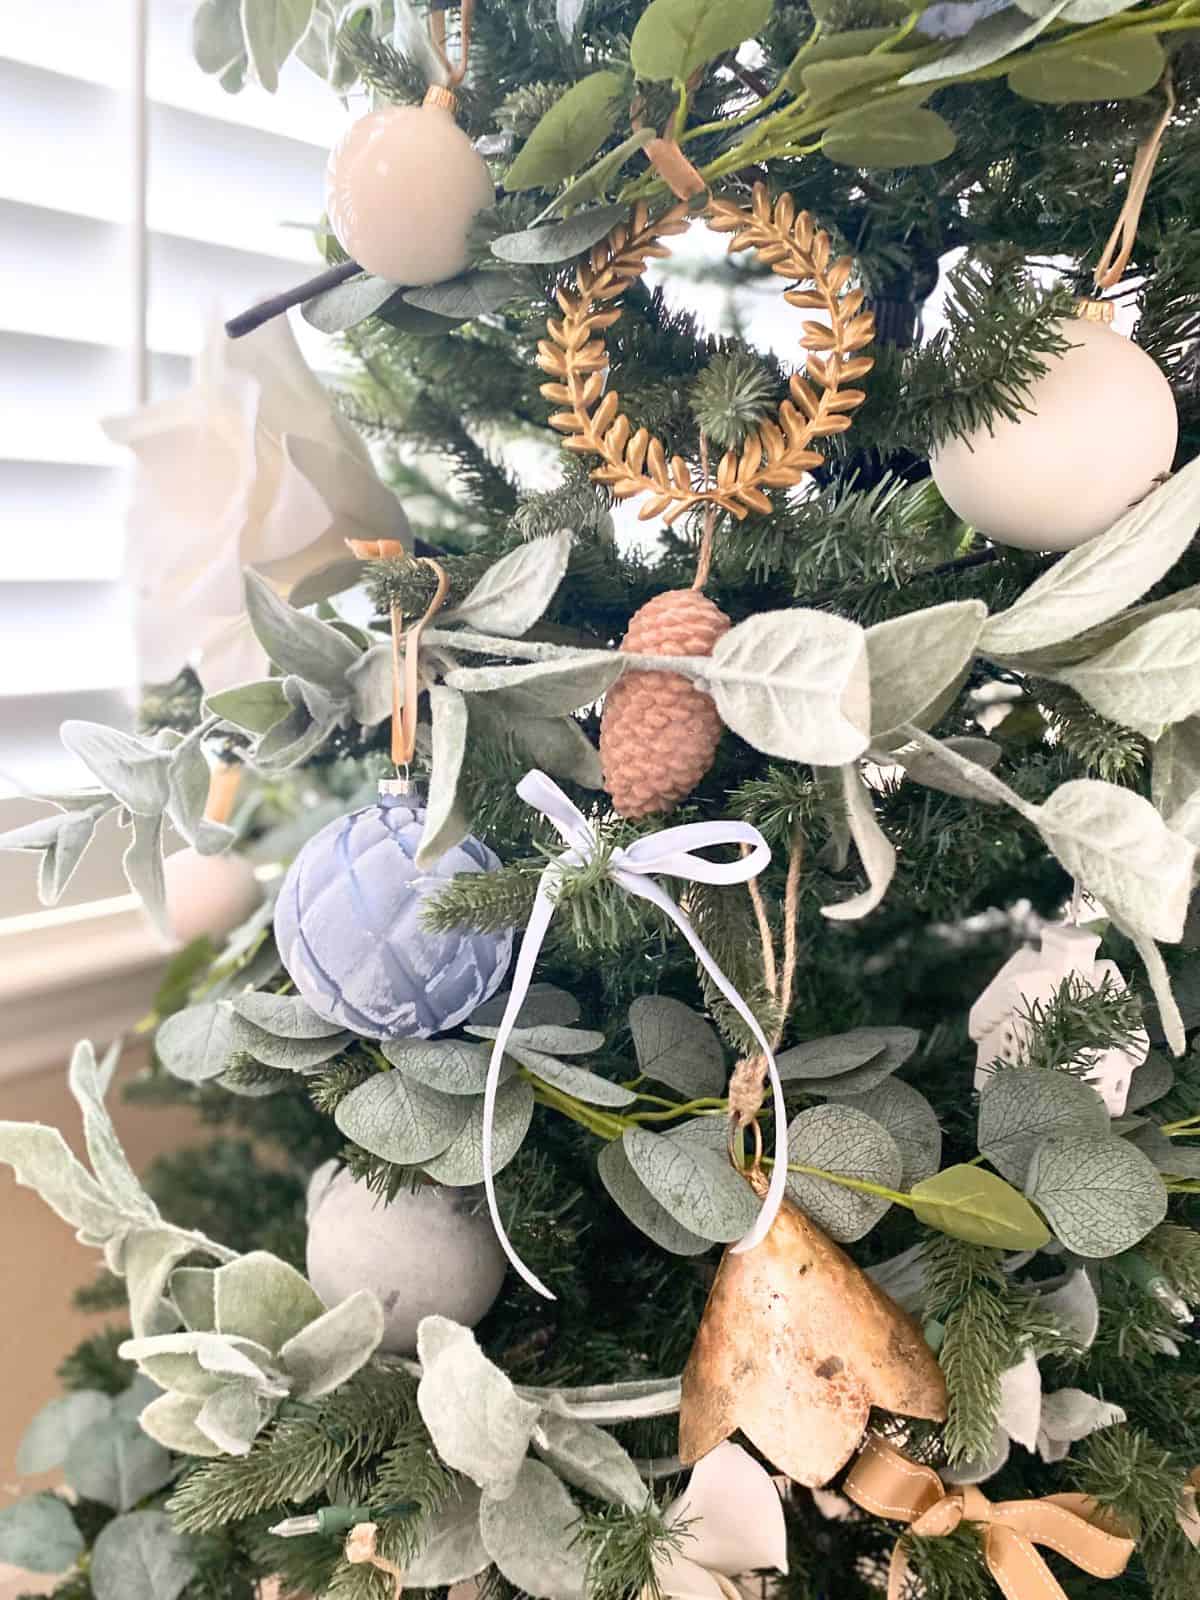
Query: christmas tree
x,y
597,1208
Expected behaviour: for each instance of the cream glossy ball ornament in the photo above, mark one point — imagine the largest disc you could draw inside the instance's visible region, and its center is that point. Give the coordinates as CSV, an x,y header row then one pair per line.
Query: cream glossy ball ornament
x,y
1100,431
402,188
208,894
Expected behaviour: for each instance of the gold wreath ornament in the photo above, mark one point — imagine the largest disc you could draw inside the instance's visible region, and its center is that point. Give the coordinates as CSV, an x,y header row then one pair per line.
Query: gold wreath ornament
x,y
779,452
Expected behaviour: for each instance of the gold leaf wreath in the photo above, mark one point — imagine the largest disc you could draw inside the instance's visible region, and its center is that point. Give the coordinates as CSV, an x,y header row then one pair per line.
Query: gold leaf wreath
x,y
778,453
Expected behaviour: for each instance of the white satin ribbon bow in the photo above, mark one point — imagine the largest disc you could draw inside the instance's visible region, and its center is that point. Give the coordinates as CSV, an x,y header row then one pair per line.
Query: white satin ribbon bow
x,y
669,852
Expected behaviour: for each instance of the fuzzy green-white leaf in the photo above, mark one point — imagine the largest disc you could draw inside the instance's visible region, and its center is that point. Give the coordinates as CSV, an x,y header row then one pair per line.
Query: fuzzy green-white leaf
x,y
911,1121
532,1534
289,1016
558,745
893,134
328,1351
127,767
41,1159
88,1081
875,850
845,1140
589,1458
674,37
1175,768
217,38
142,864
478,1422
347,304
273,29
261,1298
296,643
1021,1105
514,591
446,824
171,1420
399,1119
913,659
968,1203
473,294
849,1063
39,1535
148,1257
794,684
558,241
1170,1018
460,1164
1098,69
1116,844
187,797
676,1046
196,1043
46,1440
628,1191
568,135
1100,1194
232,1416
544,688
198,1364
116,1464
990,40
928,767
1097,579
452,1066
62,837
1149,679
451,1544
141,1557
700,1190
256,707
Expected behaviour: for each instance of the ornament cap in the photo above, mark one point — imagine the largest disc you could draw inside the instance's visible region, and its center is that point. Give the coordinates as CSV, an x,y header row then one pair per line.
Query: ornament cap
x,y
443,98
1095,310
399,788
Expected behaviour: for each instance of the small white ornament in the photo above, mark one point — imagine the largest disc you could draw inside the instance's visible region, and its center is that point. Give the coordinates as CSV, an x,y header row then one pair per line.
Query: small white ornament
x,y
208,894
1103,429
998,1022
402,188
429,1252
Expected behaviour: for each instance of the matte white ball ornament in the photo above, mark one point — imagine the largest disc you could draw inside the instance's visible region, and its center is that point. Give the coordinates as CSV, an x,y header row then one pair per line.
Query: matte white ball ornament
x,y
208,894
402,187
1101,429
428,1252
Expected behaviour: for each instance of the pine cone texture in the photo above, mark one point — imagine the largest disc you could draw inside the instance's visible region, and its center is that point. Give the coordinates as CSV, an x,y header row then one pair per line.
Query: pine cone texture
x,y
659,732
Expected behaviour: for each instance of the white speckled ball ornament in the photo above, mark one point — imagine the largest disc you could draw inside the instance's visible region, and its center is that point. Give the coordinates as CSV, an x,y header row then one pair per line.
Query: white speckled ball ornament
x,y
428,1252
402,188
208,894
1101,429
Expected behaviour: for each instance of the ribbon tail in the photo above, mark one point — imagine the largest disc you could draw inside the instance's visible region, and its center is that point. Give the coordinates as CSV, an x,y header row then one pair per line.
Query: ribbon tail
x,y
649,890
898,1572
1017,1566
531,944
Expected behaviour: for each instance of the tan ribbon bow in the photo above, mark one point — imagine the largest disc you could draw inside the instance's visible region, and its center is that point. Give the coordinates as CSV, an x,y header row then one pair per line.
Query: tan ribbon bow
x,y
888,1484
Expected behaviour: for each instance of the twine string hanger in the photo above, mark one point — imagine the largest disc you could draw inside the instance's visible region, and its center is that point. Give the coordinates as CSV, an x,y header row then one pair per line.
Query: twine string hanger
x,y
456,71
1114,258
361,1549
406,663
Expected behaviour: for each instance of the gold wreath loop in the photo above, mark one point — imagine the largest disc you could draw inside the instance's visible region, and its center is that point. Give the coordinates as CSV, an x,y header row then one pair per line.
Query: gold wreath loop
x,y
779,452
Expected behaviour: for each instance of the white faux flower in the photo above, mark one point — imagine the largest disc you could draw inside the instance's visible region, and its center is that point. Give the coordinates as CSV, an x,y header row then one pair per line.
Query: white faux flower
x,y
731,1522
250,466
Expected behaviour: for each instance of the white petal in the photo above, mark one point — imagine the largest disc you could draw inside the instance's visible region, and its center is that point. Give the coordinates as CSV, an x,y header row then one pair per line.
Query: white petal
x,y
735,1513
681,1579
1071,1414
1076,1308
1021,1401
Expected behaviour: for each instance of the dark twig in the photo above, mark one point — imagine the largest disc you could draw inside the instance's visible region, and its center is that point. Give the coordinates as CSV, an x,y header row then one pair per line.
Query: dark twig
x,y
246,321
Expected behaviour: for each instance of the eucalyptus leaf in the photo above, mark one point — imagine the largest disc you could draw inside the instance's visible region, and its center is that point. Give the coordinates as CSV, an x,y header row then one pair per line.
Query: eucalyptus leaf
x,y
289,1016
39,1535
845,1140
347,304
217,38
875,850
1149,679
969,1203
287,1054
1084,11
332,1348
460,1164
1116,844
559,241
1150,1082
415,322
401,1120
593,182
262,1298
515,591
141,1557
700,1190
676,1046
990,39
478,1422
49,1436
1168,1155
130,768
446,824
911,1121
569,134
1099,578
1099,69
473,294
639,1205
452,1066
198,1042
544,688
913,659
895,133
589,1458
829,78
1021,1105
295,642
451,1544
273,29
794,684
889,1048
1100,1194
675,37
544,1005
587,1086
255,707
532,1535
116,1464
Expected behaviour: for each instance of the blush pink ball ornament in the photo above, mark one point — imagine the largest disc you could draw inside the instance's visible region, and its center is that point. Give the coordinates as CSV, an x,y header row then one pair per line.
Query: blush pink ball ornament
x,y
208,894
402,188
1101,429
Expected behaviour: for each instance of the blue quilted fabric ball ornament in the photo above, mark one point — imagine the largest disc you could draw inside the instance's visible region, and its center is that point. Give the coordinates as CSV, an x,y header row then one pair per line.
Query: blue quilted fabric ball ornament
x,y
348,925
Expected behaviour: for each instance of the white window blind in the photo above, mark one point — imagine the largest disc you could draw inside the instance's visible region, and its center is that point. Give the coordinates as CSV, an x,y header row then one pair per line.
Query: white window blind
x,y
234,183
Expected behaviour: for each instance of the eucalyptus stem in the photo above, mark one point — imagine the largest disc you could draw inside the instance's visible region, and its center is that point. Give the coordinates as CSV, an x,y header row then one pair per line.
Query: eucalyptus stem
x,y
1185,1125
604,1124
859,1185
